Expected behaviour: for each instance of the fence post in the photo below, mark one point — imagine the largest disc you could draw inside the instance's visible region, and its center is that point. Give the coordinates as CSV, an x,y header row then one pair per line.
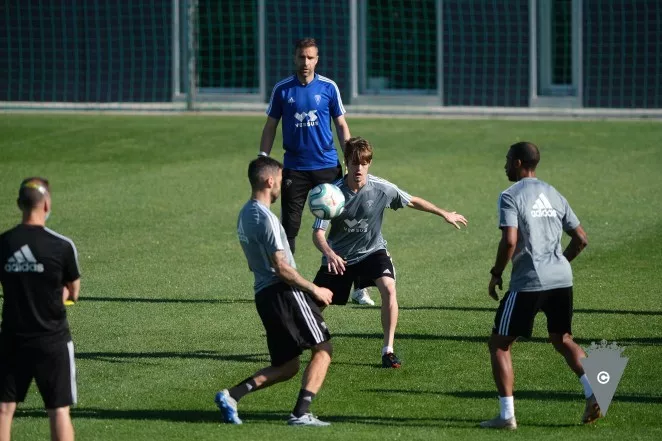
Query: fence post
x,y
191,54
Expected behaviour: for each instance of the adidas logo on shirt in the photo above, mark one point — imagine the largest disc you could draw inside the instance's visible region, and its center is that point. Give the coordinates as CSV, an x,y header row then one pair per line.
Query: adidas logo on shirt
x,y
23,261
542,207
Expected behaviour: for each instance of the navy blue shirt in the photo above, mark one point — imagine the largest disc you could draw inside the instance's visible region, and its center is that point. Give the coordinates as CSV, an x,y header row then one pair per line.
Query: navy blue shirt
x,y
306,111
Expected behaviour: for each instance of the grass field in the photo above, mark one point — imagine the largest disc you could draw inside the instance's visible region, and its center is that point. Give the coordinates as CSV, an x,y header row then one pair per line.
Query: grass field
x,y
166,316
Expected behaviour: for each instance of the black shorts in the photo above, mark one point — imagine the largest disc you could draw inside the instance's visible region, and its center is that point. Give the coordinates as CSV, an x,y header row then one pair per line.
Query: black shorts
x,y
292,320
364,273
295,188
52,367
517,311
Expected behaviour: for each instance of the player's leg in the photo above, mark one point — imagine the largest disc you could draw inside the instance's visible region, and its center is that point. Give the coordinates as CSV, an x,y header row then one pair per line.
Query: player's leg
x,y
7,410
265,377
558,309
378,270
514,318
389,318
502,363
313,334
228,399
274,306
60,421
15,379
294,192
55,375
311,383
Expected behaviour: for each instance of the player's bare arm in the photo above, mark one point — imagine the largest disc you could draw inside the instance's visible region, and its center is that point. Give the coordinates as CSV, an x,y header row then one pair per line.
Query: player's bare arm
x,y
335,263
342,130
578,242
292,277
451,217
71,291
268,135
504,254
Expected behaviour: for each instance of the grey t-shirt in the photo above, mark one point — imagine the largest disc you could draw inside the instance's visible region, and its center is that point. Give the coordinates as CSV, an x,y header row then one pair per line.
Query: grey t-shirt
x,y
540,214
357,232
261,235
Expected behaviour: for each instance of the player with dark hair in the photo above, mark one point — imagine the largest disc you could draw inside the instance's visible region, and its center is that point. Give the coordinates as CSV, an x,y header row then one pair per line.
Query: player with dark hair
x,y
307,102
532,219
285,301
39,273
356,249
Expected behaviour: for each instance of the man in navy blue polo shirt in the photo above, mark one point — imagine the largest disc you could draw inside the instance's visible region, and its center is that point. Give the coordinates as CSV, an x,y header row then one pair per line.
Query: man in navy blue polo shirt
x,y
306,102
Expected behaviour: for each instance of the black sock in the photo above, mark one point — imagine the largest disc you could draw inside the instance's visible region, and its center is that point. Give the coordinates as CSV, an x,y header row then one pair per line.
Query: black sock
x,y
241,389
303,402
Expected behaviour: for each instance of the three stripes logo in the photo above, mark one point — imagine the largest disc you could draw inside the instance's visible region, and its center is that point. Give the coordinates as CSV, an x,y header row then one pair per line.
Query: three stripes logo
x,y
23,261
542,207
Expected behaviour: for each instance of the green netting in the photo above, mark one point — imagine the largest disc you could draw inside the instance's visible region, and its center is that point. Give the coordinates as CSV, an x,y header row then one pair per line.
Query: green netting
x,y
327,21
228,45
401,46
85,51
129,51
561,28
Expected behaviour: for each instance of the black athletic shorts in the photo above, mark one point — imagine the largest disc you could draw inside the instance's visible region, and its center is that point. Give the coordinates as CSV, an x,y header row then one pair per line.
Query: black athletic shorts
x,y
364,273
52,367
295,188
517,311
292,320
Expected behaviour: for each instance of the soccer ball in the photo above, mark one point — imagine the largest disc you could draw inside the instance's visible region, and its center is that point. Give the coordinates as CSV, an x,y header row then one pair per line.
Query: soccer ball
x,y
326,201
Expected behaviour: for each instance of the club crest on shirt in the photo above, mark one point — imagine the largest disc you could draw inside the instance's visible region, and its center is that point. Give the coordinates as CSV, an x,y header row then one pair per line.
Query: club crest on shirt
x,y
370,203
318,98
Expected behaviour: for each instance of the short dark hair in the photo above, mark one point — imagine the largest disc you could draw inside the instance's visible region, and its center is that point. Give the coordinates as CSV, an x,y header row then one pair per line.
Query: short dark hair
x,y
357,150
32,191
304,43
260,169
526,152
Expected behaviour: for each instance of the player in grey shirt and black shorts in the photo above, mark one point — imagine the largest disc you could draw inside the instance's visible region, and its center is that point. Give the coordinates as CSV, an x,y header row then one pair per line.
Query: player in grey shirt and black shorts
x,y
532,219
355,248
286,302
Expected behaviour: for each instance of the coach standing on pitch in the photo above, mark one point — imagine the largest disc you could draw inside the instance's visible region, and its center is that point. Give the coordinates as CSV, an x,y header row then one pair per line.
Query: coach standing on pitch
x,y
306,102
39,268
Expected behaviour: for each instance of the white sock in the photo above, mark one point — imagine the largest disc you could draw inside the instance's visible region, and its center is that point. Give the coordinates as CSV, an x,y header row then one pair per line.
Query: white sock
x,y
387,349
507,407
588,391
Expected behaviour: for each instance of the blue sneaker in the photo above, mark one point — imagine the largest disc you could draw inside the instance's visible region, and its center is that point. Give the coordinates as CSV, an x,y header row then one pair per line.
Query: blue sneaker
x,y
228,407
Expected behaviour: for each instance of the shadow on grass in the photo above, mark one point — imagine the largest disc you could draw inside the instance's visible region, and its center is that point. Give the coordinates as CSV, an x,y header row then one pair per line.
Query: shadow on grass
x,y
84,299
493,309
129,357
125,357
214,417
537,395
644,341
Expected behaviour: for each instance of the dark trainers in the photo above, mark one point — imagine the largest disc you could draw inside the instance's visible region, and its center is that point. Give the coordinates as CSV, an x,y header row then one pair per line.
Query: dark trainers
x,y
389,360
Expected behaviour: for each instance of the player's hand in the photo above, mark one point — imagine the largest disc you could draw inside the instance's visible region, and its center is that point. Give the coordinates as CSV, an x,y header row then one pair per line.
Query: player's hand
x,y
323,295
494,282
335,263
454,218
65,294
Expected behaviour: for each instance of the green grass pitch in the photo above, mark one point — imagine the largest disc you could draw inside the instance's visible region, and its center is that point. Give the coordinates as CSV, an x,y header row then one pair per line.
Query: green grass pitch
x,y
166,316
